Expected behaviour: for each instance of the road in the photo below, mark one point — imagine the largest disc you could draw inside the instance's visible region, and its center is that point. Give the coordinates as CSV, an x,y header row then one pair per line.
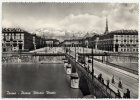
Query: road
x,y
108,71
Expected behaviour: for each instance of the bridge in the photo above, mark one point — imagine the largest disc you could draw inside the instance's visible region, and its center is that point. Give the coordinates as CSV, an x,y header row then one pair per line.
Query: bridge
x,y
89,84
94,54
34,54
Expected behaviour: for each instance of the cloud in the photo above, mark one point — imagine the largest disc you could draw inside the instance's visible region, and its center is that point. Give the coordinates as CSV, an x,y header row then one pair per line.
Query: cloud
x,y
124,16
81,22
7,23
120,16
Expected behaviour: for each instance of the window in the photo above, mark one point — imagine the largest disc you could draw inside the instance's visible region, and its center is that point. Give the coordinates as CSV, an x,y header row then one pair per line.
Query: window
x,y
20,35
14,44
8,44
130,40
14,36
133,49
121,49
8,36
124,40
127,49
11,38
124,49
120,45
116,40
4,49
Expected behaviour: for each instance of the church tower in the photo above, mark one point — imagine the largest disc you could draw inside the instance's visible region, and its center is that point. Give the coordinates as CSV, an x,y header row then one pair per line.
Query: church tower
x,y
106,28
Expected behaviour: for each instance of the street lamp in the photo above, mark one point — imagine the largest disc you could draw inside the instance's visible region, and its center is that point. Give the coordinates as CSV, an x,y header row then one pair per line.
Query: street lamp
x,y
83,58
92,63
73,67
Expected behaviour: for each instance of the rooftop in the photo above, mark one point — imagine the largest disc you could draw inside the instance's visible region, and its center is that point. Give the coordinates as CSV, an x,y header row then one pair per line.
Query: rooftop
x,y
12,30
119,32
124,32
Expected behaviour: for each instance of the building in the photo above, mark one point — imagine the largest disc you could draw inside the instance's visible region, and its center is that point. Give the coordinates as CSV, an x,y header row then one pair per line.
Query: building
x,y
106,28
72,43
38,42
88,40
119,41
16,39
93,41
52,42
125,41
56,42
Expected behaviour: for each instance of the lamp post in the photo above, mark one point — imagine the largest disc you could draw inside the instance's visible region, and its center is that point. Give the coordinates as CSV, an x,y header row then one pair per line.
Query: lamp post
x,y
92,63
83,53
69,50
75,54
73,67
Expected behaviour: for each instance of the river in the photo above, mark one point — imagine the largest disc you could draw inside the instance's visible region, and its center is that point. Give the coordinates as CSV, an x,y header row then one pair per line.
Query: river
x,y
36,81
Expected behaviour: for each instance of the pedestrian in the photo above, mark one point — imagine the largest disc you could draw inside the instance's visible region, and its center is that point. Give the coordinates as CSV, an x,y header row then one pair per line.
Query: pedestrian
x,y
113,81
120,83
108,83
100,77
119,94
124,95
128,93
102,80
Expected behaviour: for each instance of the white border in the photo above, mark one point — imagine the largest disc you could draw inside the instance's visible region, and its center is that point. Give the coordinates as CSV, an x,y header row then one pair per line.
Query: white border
x,y
63,1
110,1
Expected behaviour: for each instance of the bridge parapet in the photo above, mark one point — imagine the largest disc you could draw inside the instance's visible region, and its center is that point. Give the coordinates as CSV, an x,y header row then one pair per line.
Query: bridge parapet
x,y
32,54
95,87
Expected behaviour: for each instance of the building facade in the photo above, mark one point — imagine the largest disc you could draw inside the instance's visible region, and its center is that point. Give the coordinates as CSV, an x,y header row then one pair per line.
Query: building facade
x,y
93,41
116,41
38,42
16,39
73,43
119,41
52,42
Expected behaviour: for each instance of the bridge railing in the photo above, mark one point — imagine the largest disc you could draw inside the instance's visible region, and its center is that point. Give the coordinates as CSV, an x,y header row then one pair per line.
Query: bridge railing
x,y
99,89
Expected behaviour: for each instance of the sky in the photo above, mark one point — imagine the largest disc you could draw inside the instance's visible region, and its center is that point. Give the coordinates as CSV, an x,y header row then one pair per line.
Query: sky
x,y
58,18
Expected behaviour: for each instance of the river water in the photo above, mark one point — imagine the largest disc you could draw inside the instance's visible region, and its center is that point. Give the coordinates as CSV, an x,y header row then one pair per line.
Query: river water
x,y
37,81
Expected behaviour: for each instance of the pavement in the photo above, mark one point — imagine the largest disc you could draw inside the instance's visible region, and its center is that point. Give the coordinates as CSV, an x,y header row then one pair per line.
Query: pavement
x,y
129,80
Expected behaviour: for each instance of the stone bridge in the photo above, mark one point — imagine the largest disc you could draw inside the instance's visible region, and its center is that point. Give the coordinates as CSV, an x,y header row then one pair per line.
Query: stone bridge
x,y
89,84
